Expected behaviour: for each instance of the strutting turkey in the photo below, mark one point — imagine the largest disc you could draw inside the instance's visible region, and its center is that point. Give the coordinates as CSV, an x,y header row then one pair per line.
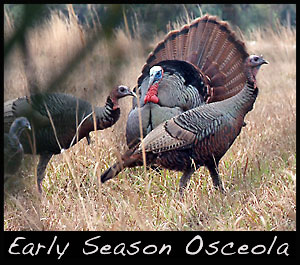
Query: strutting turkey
x,y
13,149
71,118
197,137
200,63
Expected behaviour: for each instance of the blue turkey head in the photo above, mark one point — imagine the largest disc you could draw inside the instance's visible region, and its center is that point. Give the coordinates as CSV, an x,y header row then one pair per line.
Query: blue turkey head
x,y
156,74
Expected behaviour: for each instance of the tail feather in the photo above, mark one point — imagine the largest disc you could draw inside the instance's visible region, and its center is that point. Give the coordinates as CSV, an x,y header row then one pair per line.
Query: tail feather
x,y
182,37
207,38
210,45
127,160
190,43
170,47
111,172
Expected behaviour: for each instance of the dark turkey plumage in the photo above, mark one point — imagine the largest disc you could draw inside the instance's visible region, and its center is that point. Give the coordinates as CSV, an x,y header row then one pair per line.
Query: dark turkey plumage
x,y
60,121
197,137
201,63
13,150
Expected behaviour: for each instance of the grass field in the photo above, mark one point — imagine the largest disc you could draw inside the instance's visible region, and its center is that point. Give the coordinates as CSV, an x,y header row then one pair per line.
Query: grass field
x,y
258,171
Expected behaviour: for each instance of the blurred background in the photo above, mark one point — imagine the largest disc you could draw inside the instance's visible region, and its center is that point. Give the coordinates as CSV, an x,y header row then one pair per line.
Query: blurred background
x,y
55,39
153,18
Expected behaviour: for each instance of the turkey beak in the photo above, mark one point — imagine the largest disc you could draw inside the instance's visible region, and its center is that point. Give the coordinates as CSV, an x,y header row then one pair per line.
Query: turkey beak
x,y
29,127
263,61
151,80
133,94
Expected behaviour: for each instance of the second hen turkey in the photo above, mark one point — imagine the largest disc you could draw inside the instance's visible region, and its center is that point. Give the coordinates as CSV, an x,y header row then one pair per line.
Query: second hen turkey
x,y
59,121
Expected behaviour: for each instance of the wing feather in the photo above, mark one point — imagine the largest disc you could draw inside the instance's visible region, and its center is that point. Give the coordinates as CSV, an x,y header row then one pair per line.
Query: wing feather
x,y
185,129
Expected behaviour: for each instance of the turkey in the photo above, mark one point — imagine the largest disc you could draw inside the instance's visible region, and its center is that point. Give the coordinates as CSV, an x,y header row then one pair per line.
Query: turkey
x,y
59,121
13,150
201,63
197,137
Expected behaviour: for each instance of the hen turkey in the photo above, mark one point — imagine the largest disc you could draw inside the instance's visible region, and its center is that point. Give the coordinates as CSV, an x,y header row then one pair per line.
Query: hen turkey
x,y
197,137
59,121
200,63
13,149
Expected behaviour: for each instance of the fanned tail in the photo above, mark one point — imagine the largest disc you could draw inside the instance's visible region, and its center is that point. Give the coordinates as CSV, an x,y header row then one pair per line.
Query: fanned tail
x,y
210,45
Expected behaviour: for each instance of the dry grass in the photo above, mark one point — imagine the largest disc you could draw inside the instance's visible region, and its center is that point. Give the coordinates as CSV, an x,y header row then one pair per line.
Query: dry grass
x,y
259,170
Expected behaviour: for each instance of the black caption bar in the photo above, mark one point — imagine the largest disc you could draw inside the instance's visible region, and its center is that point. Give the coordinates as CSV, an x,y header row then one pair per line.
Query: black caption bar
x,y
66,245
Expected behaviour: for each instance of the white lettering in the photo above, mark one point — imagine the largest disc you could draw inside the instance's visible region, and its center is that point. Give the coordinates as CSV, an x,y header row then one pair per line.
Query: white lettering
x,y
285,250
231,244
38,248
63,252
150,246
30,248
30,251
104,250
187,250
270,248
51,246
87,243
164,247
133,246
122,245
243,248
258,252
15,245
212,246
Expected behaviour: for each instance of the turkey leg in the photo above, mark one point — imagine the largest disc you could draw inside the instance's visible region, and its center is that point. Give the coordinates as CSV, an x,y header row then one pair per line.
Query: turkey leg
x,y
43,162
213,170
184,180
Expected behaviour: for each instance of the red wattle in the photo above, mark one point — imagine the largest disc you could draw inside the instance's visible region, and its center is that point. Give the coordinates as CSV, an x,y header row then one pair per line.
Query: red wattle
x,y
153,99
151,95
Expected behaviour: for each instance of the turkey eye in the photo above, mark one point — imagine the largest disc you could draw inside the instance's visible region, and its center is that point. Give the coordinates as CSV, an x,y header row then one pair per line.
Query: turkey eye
x,y
122,89
255,59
